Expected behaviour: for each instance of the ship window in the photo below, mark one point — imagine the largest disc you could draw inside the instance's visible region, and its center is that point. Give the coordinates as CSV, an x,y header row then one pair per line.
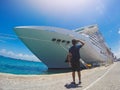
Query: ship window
x,y
90,26
63,41
79,30
68,42
53,39
58,40
82,29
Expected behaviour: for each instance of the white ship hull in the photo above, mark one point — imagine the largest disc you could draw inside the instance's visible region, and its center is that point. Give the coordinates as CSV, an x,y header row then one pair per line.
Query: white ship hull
x,y
51,45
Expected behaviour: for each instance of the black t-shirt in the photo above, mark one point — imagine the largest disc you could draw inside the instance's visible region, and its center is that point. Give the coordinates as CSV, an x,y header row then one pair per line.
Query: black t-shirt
x,y
74,50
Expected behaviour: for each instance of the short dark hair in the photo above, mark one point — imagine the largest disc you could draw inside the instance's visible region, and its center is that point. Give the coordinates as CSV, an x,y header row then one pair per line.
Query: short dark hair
x,y
74,41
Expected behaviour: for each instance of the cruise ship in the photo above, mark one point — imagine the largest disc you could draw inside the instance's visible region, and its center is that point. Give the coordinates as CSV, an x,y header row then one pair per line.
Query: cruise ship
x,y
51,44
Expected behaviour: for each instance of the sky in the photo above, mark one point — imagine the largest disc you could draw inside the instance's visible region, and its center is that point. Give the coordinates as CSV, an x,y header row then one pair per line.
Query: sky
x,y
68,14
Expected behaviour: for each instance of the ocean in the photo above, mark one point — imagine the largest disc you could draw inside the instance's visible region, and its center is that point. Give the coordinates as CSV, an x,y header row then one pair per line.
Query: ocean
x,y
15,66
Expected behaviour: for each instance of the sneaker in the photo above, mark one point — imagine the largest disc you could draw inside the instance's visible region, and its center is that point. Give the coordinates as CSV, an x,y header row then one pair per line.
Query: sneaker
x,y
73,83
79,82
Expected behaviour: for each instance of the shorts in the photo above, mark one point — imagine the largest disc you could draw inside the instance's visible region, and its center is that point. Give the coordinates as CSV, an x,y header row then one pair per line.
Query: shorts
x,y
75,65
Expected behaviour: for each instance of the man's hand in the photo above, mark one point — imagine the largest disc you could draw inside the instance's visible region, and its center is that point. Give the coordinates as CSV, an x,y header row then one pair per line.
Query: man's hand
x,y
80,42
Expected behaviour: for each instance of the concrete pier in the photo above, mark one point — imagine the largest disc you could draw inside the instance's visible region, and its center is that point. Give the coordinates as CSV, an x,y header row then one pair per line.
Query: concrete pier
x,y
100,78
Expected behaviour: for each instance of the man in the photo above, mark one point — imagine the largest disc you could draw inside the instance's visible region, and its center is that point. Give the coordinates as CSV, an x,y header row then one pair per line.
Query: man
x,y
74,59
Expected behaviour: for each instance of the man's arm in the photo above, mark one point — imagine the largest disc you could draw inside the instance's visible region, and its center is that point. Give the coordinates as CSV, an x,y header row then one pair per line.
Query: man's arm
x,y
69,59
80,42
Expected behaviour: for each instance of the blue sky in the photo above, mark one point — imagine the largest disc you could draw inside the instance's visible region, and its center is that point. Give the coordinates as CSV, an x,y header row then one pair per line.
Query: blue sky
x,y
69,14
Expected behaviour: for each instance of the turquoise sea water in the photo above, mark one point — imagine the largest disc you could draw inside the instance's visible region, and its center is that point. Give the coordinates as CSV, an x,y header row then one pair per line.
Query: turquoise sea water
x,y
15,66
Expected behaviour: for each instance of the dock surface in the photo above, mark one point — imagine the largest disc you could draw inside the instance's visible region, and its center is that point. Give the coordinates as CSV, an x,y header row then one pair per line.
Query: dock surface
x,y
100,78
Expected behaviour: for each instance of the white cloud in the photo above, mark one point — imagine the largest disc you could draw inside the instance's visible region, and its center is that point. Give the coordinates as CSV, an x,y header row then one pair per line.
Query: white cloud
x,y
117,51
4,37
11,54
68,8
119,31
7,37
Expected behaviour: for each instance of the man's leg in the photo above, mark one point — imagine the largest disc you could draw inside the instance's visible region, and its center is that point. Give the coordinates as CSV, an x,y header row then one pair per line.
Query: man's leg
x,y
73,76
79,76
